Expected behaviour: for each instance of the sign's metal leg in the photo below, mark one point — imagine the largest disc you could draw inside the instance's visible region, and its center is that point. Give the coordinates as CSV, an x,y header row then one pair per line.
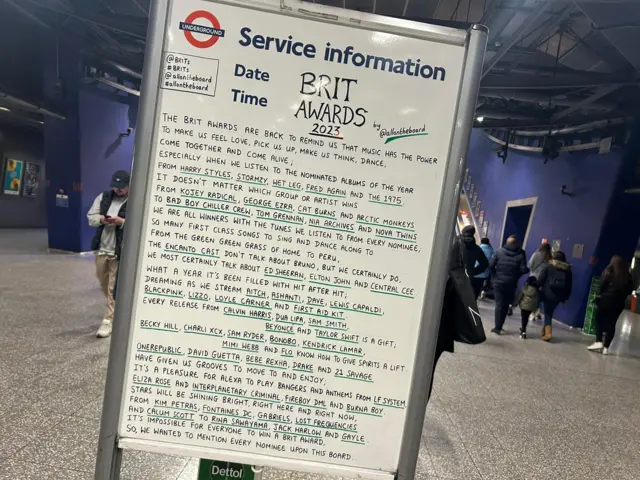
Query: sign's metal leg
x,y
257,472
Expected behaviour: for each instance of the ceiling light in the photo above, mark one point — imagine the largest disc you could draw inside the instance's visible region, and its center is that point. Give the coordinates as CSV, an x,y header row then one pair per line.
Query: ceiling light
x,y
5,109
480,119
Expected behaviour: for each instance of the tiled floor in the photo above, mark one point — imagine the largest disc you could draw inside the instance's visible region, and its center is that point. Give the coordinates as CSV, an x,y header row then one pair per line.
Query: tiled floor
x,y
508,409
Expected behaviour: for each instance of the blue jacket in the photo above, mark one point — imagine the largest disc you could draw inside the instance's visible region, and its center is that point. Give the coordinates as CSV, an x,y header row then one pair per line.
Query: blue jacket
x,y
488,252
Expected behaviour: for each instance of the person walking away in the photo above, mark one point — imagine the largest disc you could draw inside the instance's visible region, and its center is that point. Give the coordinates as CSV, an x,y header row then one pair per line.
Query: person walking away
x,y
615,287
556,280
527,300
107,215
476,260
536,264
473,264
507,266
483,277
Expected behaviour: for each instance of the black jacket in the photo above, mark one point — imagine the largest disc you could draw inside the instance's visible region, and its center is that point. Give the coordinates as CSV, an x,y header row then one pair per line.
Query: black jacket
x,y
447,330
507,266
612,298
472,255
553,274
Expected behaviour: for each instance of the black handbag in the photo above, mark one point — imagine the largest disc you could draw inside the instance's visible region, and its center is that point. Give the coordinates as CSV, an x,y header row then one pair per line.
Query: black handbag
x,y
466,313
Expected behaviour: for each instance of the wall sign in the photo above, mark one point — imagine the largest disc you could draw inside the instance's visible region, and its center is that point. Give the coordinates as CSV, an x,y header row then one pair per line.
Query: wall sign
x,y
283,220
62,200
578,250
13,172
31,180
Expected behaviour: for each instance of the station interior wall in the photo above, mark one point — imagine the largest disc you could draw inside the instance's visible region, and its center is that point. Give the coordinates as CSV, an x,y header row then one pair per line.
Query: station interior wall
x,y
104,148
621,230
17,211
84,150
590,178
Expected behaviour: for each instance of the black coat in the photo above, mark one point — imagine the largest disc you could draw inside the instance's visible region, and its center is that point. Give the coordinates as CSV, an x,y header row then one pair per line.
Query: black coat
x,y
447,330
473,255
548,278
612,298
507,266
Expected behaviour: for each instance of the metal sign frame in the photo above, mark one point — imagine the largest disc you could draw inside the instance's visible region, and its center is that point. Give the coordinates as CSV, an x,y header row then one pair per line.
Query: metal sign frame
x,y
474,40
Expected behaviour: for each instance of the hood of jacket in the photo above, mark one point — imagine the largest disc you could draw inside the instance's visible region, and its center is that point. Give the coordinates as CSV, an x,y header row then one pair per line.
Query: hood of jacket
x,y
468,239
512,250
565,267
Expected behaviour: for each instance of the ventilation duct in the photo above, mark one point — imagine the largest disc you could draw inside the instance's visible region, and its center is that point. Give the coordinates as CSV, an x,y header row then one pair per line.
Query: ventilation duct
x,y
31,107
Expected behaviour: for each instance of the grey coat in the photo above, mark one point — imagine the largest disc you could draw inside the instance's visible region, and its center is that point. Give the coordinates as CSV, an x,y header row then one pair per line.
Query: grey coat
x,y
536,264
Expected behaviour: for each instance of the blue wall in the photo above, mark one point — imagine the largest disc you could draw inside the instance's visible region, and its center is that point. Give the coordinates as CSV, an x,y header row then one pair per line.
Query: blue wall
x,y
573,220
104,115
83,151
62,150
621,229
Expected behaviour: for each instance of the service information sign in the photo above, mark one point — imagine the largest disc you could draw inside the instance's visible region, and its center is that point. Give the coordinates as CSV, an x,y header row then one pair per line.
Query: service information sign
x,y
296,178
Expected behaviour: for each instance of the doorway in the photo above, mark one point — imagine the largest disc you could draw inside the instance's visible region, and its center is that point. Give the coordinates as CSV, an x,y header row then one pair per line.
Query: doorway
x,y
517,219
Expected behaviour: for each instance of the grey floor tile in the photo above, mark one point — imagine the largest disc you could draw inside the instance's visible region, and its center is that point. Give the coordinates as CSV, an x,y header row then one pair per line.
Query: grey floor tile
x,y
71,446
273,474
437,422
494,463
424,466
33,471
450,459
190,471
149,466
564,464
23,426
93,409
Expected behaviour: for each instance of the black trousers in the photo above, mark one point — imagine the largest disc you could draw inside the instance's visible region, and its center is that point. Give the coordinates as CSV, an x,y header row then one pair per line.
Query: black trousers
x,y
504,298
606,321
524,319
439,353
477,284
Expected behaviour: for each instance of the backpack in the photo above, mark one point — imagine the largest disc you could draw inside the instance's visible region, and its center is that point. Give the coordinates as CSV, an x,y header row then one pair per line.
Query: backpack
x,y
558,284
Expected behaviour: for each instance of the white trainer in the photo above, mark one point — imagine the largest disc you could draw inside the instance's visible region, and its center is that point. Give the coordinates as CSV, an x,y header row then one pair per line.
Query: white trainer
x,y
595,346
605,351
105,329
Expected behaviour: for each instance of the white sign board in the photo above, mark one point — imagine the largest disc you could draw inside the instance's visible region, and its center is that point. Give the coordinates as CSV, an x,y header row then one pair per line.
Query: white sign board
x,y
297,172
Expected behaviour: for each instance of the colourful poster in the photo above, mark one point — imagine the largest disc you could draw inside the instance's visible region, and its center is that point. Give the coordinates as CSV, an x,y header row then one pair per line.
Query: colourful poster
x,y
31,180
13,176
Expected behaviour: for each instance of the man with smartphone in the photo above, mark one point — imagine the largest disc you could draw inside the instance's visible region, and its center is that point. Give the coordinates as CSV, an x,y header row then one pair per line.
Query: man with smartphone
x,y
107,215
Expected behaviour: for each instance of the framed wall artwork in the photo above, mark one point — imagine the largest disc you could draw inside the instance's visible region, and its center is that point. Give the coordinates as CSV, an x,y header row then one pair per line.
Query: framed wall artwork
x,y
31,179
13,171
